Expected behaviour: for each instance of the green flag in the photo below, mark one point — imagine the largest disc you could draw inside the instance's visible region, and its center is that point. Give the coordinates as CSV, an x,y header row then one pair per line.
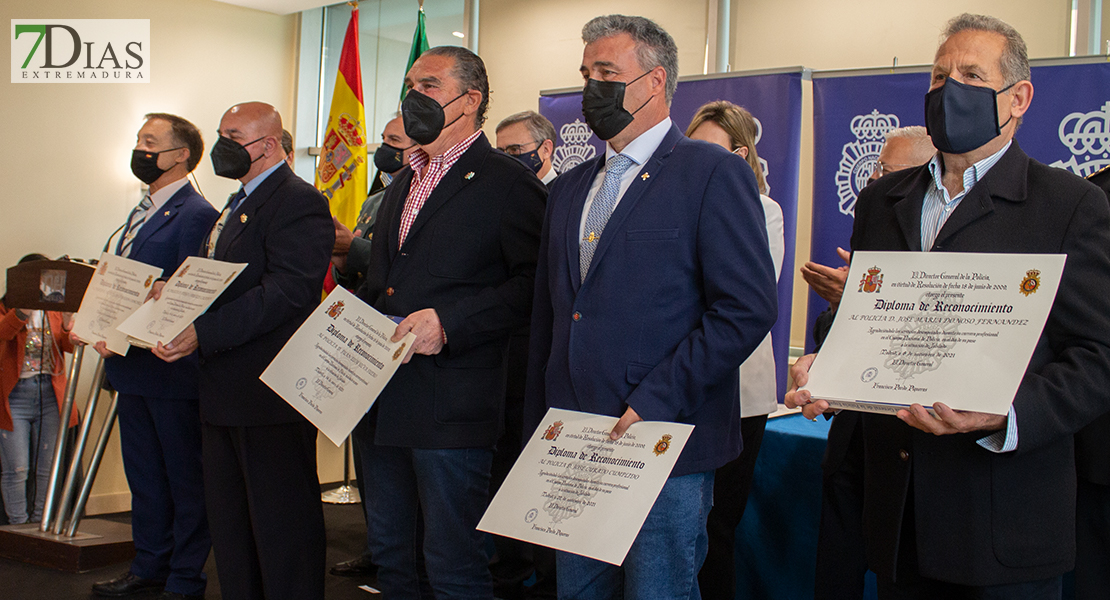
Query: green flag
x,y
419,45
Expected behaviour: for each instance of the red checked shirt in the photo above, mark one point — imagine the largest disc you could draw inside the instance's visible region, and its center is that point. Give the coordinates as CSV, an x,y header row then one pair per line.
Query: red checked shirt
x,y
426,175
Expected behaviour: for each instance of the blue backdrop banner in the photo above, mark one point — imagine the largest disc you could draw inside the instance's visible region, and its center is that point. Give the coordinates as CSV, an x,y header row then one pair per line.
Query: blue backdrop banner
x,y
1067,126
774,99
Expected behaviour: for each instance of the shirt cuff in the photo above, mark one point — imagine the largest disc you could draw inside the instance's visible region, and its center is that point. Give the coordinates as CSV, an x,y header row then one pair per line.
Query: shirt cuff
x,y
1003,440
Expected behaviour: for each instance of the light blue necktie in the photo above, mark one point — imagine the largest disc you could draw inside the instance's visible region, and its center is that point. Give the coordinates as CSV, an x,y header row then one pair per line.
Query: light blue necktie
x,y
600,210
134,221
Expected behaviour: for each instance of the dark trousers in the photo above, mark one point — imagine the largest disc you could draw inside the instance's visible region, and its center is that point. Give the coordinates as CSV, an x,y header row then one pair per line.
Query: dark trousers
x,y
161,448
1092,541
265,513
841,555
731,486
514,561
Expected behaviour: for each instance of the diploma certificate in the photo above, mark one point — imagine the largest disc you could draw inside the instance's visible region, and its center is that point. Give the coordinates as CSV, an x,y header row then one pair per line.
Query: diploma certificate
x,y
574,489
192,289
118,288
926,327
338,362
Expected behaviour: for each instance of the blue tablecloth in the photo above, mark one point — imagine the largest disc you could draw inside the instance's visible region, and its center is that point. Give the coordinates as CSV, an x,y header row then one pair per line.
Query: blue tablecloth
x,y
776,542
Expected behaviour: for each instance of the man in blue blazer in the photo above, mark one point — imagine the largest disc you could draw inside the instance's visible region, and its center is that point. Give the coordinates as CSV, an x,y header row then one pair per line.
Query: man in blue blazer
x,y
159,417
259,453
679,291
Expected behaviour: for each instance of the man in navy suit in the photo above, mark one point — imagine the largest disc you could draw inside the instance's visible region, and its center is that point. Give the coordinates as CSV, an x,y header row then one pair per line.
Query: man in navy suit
x,y
259,453
645,310
966,504
159,417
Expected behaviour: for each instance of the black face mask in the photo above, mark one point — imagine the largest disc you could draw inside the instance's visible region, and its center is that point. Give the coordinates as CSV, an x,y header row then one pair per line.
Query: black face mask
x,y
603,106
531,160
961,117
230,158
144,165
389,159
423,117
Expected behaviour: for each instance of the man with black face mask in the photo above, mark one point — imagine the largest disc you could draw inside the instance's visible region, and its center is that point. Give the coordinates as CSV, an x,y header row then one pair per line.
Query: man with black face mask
x,y
454,254
654,283
965,504
350,258
259,453
351,255
530,138
159,418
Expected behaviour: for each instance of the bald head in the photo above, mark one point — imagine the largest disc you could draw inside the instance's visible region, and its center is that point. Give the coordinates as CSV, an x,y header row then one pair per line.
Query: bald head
x,y
257,127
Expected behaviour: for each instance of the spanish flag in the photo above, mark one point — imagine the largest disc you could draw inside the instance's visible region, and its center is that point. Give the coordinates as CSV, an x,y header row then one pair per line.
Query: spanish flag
x,y
342,166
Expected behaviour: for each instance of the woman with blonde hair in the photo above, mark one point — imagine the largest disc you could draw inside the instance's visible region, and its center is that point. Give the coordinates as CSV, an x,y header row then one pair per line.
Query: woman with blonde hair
x,y
735,129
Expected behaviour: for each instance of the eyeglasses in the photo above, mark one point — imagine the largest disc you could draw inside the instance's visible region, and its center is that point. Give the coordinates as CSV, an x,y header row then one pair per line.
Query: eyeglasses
x,y
885,168
518,149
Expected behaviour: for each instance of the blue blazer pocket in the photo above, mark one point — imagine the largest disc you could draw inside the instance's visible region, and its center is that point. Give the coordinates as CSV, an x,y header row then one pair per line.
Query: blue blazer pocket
x,y
637,371
648,235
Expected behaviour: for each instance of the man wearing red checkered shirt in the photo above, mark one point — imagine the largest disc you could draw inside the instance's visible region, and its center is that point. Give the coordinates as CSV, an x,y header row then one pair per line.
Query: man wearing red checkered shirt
x,y
453,257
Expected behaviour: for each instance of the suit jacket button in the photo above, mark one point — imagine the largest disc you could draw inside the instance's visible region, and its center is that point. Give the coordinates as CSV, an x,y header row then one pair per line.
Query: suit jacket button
x,y
576,316
902,454
389,291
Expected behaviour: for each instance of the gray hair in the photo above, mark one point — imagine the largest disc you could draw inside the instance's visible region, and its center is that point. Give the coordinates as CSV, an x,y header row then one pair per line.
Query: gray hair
x,y
471,73
537,125
920,142
654,46
1015,58
912,132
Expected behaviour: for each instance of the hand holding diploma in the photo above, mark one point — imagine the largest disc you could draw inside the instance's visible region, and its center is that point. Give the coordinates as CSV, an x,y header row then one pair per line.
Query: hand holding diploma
x,y
585,483
425,325
932,332
339,361
165,321
116,291
943,420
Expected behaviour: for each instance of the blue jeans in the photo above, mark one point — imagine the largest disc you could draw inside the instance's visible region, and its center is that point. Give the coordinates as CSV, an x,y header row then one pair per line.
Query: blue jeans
x,y
30,443
423,506
663,562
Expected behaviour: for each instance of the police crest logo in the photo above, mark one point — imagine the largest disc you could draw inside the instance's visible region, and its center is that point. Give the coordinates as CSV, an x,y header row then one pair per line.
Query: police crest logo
x,y
662,445
226,281
1031,282
335,309
575,149
103,268
400,351
183,271
872,281
1087,136
149,280
553,431
859,158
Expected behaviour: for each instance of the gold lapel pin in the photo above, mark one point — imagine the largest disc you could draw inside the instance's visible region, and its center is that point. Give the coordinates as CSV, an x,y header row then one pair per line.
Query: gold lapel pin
x,y
167,213
242,218
645,176
469,176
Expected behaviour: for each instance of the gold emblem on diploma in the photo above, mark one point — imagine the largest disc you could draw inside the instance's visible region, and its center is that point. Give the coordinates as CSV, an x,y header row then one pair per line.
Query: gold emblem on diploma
x,y
1031,282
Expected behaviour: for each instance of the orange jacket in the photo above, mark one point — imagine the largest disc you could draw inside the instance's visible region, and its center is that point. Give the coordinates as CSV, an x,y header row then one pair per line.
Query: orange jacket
x,y
13,336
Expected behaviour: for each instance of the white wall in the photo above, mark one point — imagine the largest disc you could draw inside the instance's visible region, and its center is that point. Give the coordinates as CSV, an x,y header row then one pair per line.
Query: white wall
x,y
64,164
